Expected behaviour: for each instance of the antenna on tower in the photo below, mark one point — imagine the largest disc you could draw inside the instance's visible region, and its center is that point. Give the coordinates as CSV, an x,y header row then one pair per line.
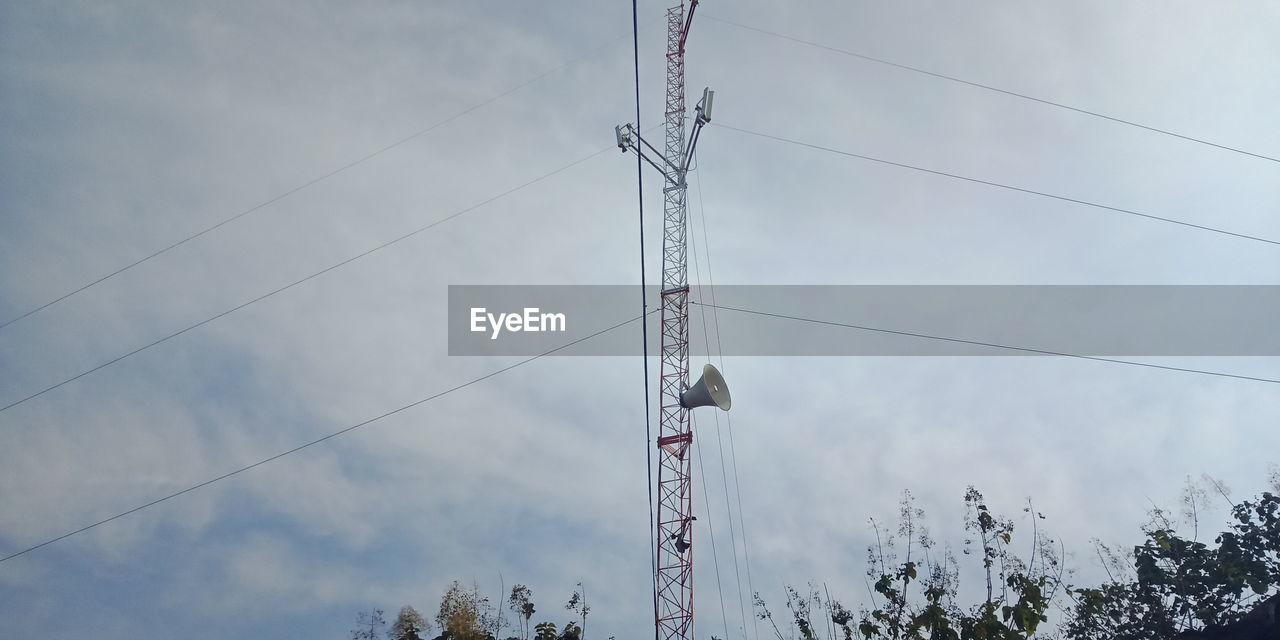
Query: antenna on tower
x,y
674,579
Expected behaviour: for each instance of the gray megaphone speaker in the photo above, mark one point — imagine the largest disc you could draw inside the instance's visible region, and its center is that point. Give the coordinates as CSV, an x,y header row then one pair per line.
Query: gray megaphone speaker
x,y
709,390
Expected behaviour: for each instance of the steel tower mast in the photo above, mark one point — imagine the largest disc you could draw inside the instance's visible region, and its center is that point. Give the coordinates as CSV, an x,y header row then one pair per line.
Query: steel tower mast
x,y
675,494
674,579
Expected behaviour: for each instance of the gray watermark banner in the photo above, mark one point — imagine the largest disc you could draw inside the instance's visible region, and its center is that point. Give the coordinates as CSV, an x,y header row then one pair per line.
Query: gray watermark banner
x,y
875,320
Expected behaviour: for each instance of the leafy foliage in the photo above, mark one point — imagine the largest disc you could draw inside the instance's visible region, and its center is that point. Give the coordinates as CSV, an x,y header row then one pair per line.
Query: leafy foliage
x,y
546,631
914,607
1182,585
914,584
1168,587
409,625
521,603
463,615
571,631
578,604
368,624
1178,588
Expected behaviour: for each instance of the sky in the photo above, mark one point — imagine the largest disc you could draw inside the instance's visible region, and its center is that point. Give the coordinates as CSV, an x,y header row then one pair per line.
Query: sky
x,y
337,127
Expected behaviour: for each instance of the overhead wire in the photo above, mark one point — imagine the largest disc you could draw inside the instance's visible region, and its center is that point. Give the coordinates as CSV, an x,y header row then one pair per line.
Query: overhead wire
x,y
319,440
990,183
996,89
994,345
711,530
746,555
314,275
702,469
644,327
715,313
314,181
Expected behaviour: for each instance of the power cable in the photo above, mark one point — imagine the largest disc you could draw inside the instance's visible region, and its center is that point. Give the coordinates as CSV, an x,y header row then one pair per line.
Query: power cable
x,y
988,87
702,470
706,250
644,328
997,184
715,314
980,343
310,183
316,441
746,556
711,530
295,283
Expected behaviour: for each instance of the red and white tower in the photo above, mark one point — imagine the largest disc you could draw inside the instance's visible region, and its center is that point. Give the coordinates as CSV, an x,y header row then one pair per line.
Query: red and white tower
x,y
674,579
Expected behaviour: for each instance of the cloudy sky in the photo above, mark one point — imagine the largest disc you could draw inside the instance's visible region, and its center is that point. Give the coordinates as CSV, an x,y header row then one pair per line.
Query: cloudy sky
x,y
130,126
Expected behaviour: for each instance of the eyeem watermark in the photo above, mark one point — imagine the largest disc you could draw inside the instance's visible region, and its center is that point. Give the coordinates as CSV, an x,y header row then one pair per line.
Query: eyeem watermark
x,y
530,319
871,320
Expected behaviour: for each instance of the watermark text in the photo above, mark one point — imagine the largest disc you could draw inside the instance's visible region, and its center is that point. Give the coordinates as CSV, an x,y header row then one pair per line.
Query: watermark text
x,y
530,319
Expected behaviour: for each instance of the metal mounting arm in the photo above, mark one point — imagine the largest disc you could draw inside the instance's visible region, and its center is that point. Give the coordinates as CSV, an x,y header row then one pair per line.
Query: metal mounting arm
x,y
688,22
703,109
629,138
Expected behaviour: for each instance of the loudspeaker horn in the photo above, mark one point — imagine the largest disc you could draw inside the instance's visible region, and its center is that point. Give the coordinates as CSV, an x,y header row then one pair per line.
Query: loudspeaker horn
x,y
710,390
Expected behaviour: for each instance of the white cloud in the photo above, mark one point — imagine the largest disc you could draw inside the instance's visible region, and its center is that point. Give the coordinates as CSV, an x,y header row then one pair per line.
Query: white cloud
x,y
127,128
